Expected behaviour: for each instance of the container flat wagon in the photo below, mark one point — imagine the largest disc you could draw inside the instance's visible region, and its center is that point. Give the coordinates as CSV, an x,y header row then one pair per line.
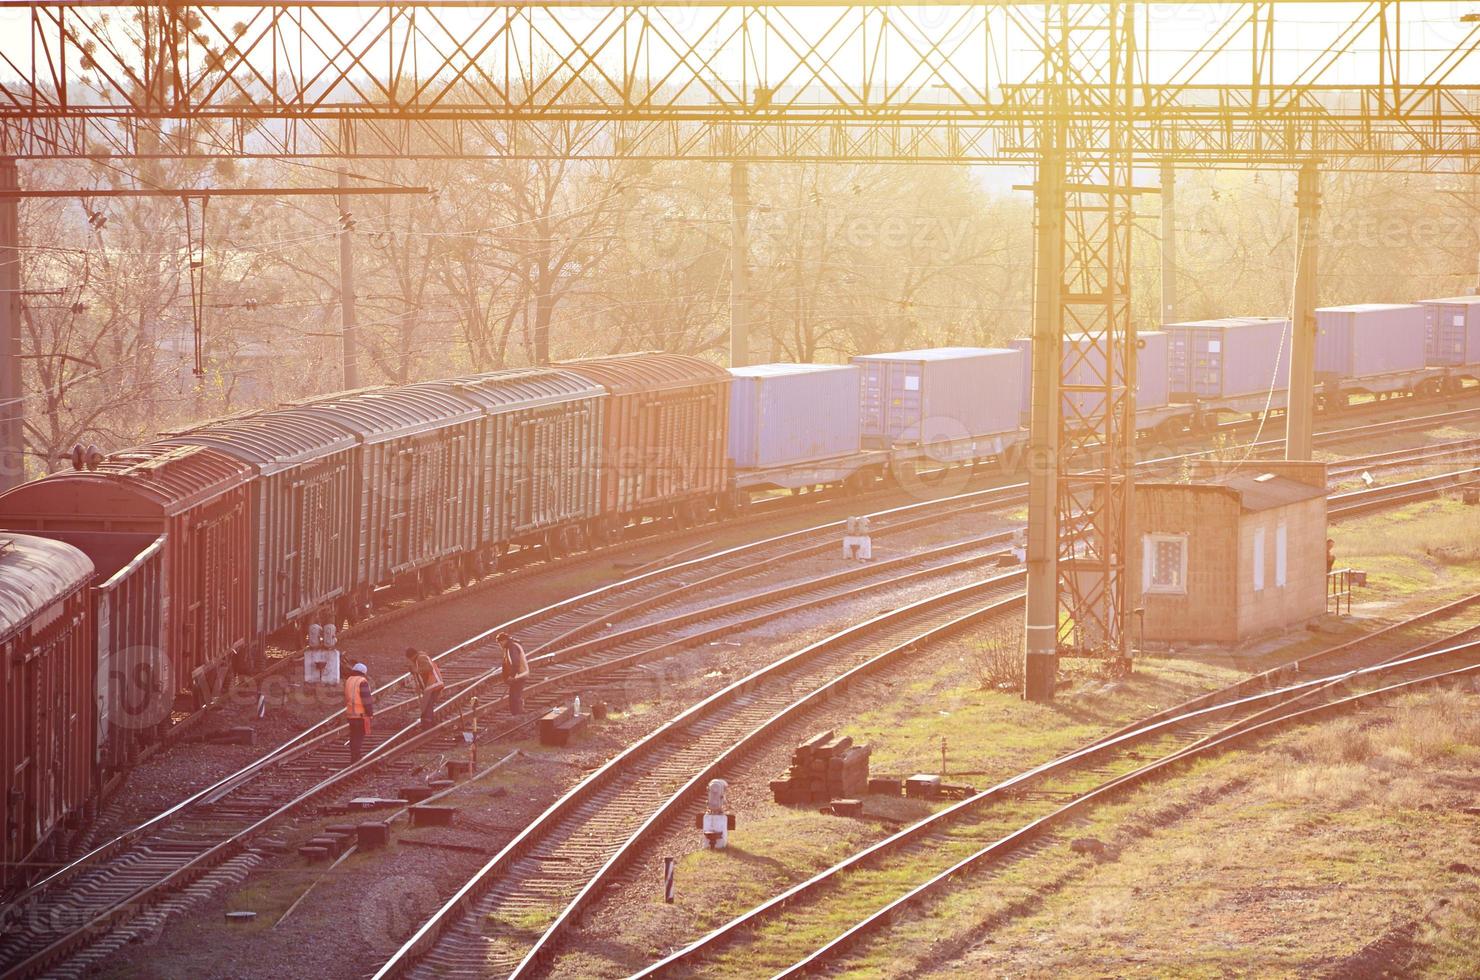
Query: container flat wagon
x,y
1452,334
665,437
197,501
1237,365
302,499
795,426
49,718
1372,349
945,405
416,495
536,457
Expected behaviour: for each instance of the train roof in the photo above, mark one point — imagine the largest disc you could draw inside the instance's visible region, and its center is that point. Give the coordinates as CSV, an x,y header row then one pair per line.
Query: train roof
x,y
271,441
1226,322
1367,307
497,391
1454,300
159,477
378,414
935,354
625,373
787,370
34,574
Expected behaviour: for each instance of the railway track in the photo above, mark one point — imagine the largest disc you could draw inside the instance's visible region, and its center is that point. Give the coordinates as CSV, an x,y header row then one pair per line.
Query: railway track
x,y
902,871
542,875
511,892
177,845
216,826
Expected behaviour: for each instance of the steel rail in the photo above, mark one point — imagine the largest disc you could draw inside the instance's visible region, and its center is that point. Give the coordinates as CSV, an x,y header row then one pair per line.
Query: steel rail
x,y
787,546
1234,734
543,946
308,740
1158,724
588,663
949,604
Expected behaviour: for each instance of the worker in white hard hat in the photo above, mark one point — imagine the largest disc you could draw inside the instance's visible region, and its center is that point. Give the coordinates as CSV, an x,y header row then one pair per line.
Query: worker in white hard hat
x,y
359,709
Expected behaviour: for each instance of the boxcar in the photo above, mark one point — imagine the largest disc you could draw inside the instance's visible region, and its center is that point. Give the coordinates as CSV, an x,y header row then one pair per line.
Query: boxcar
x,y
537,447
416,513
665,436
1452,331
48,725
962,403
199,502
303,512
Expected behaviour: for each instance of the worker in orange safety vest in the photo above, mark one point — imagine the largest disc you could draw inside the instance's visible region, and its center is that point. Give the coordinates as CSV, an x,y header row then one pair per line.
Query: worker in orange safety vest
x,y
359,708
428,680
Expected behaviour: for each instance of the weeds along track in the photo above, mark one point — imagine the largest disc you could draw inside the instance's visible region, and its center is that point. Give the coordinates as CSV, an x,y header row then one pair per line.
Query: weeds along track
x,y
502,917
860,896
135,871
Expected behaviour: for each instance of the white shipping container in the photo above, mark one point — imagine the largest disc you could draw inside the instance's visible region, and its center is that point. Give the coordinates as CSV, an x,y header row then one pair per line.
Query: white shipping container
x,y
782,414
942,394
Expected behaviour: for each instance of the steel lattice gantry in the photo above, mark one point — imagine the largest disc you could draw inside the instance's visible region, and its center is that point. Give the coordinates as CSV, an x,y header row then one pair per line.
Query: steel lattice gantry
x,y
1377,85
1087,94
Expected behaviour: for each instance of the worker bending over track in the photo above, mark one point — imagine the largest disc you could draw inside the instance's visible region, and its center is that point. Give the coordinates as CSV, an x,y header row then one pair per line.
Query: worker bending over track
x,y
428,681
359,708
516,671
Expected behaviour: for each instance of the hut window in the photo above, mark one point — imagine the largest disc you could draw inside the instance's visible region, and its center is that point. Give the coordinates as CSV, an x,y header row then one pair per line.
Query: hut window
x,y
1164,560
1280,544
1258,559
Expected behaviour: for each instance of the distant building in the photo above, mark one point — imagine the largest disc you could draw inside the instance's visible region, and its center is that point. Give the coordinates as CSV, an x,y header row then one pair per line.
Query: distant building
x,y
1226,558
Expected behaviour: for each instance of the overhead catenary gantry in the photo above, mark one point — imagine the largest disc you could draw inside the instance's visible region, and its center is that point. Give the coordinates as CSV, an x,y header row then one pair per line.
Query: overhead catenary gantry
x,y
1093,97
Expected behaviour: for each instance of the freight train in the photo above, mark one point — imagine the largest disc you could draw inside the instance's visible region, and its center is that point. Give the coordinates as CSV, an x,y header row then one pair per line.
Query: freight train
x,y
134,585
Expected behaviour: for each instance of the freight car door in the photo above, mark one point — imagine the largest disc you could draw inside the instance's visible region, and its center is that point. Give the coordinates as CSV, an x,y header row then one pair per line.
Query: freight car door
x,y
872,396
905,400
522,492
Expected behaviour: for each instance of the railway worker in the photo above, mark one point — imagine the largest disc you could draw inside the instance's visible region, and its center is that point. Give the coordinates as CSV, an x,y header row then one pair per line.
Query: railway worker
x,y
428,681
359,708
1330,554
516,671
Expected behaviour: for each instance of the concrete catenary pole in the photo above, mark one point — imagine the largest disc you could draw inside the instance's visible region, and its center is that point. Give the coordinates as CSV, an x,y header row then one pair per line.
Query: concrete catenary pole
x,y
739,265
1300,421
12,403
1168,242
347,289
1041,618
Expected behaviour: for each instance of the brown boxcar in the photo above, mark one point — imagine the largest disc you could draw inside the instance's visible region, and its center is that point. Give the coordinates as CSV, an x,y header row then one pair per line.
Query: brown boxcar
x,y
48,725
303,506
665,436
537,450
417,510
198,500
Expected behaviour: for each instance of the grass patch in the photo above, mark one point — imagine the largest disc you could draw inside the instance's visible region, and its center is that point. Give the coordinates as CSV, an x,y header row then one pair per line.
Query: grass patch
x,y
1283,862
1416,547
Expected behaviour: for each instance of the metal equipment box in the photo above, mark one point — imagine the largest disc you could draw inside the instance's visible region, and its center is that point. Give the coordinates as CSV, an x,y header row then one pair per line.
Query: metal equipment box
x,y
1226,358
1369,339
948,393
792,413
1452,331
